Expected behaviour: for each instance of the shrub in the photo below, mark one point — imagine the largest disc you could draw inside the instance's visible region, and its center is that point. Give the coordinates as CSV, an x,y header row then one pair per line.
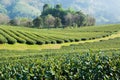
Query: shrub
x,y
72,40
19,39
10,39
2,39
66,40
103,36
60,41
77,40
98,37
83,39
35,37
90,38
47,42
28,40
73,66
40,42
53,42
93,37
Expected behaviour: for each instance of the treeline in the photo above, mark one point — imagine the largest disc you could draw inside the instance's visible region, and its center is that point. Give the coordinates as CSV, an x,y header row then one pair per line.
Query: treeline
x,y
52,17
18,21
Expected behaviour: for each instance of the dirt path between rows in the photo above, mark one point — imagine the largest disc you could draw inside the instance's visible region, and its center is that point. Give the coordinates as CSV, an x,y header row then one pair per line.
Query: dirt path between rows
x,y
51,46
95,40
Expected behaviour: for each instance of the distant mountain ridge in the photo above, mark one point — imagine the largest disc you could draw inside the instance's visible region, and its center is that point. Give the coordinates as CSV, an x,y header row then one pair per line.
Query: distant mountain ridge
x,y
104,11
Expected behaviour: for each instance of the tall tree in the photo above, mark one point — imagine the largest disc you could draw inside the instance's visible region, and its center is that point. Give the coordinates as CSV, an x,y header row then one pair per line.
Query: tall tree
x,y
49,21
46,7
4,19
68,19
79,18
38,22
57,22
58,6
90,21
15,22
65,18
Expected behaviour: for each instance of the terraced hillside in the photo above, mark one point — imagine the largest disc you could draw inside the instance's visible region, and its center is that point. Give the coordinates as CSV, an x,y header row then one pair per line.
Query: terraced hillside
x,y
12,35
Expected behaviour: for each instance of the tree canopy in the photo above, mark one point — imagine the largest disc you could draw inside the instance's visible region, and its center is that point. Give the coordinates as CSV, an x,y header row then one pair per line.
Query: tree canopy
x,y
59,17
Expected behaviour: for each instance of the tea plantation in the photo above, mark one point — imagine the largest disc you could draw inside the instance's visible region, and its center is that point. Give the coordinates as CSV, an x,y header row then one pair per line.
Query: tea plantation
x,y
99,60
12,35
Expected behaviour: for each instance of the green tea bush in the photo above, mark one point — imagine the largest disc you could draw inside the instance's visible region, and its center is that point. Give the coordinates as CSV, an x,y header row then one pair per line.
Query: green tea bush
x,y
77,40
72,40
59,41
93,38
74,66
103,36
10,39
28,40
2,39
39,36
47,42
38,40
66,40
19,39
83,39
53,42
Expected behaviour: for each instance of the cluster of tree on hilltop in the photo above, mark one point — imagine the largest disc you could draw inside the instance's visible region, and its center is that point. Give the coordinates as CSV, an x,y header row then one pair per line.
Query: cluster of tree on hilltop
x,y
52,17
59,17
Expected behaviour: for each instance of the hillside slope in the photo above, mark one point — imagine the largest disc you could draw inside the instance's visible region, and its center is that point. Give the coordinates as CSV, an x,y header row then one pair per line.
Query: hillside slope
x,y
28,38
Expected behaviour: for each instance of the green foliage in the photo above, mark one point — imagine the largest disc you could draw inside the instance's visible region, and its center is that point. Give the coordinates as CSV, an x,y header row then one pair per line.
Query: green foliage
x,y
89,21
27,22
46,7
34,39
111,44
52,36
10,39
57,16
49,21
2,39
19,39
57,22
38,22
14,22
83,39
72,66
58,6
28,40
87,61
60,41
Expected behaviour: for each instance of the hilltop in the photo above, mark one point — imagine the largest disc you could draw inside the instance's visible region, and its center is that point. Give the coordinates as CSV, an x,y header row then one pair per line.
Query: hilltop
x,y
32,8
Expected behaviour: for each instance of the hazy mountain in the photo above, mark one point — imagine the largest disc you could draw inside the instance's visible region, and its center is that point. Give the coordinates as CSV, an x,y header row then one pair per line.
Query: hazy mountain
x,y
105,11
